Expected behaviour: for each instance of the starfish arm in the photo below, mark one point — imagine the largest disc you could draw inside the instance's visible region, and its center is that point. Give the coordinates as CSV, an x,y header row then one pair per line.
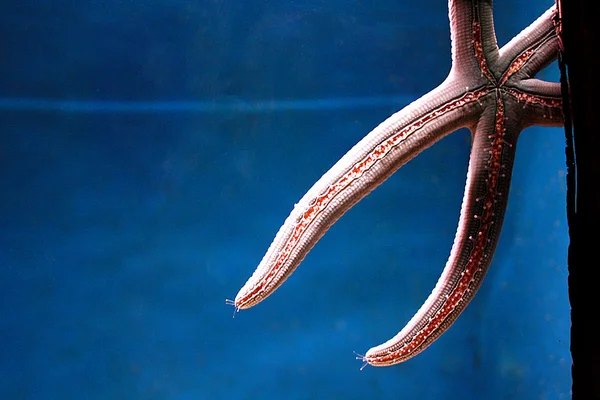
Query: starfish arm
x,y
468,19
385,149
481,217
532,49
539,103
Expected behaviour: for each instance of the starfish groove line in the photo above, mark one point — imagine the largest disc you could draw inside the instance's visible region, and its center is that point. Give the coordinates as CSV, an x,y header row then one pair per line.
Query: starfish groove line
x,y
490,91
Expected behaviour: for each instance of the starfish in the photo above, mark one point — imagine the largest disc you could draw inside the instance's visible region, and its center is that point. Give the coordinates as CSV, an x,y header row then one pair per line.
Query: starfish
x,y
490,91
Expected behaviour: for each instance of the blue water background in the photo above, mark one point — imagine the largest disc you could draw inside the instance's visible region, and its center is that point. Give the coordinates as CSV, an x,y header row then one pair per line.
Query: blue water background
x,y
150,150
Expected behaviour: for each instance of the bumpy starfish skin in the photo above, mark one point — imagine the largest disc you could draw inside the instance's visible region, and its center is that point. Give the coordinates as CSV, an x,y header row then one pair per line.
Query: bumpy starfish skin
x,y
492,92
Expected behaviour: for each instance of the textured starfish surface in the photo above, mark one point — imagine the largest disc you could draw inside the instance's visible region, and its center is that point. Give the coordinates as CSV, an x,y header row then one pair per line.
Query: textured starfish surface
x,y
490,91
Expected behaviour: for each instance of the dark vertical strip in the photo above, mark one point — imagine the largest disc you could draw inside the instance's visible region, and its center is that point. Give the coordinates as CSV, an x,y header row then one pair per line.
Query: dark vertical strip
x,y
581,40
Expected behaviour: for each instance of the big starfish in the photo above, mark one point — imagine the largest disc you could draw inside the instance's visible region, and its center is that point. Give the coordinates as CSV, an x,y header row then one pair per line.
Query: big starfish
x,y
490,91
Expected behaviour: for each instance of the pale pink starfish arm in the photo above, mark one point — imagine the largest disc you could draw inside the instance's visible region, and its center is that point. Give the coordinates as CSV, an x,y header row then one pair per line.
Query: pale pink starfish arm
x,y
490,91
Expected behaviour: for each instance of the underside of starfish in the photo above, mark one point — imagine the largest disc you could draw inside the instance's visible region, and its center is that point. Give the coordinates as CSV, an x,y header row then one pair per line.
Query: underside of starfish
x,y
490,91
